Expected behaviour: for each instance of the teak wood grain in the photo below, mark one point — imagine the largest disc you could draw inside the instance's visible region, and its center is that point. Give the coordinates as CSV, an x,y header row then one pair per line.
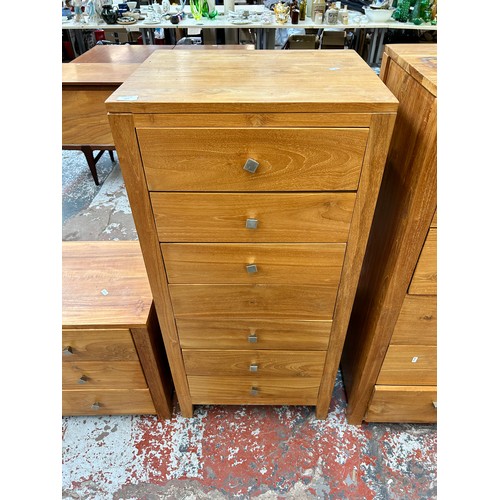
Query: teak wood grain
x,y
369,185
409,365
405,208
403,404
89,74
111,402
417,321
266,334
434,219
154,362
118,54
133,174
269,363
270,391
98,345
256,120
306,302
418,60
305,159
295,263
252,81
283,217
112,375
238,93
105,356
84,119
424,280
96,292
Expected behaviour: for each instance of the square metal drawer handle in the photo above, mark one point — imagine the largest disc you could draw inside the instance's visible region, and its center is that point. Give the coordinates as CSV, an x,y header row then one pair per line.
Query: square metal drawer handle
x,y
83,379
252,338
254,368
251,165
254,391
251,223
68,350
251,268
96,406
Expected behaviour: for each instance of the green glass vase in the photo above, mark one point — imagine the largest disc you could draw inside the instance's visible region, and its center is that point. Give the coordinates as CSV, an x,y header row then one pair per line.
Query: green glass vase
x,y
402,12
196,7
209,10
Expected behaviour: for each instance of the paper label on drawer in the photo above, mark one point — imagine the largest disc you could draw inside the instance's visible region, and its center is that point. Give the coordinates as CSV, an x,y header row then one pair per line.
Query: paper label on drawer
x,y
127,98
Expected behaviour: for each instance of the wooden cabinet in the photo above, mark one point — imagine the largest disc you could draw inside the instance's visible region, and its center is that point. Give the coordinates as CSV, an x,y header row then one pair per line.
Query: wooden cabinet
x,y
113,357
389,362
253,182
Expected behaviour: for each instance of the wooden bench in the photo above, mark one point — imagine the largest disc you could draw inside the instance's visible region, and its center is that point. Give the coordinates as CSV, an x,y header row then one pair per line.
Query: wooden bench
x,y
113,356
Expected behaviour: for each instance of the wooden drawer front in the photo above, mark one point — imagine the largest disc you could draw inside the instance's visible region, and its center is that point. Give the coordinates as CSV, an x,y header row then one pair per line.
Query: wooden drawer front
x,y
313,263
417,321
403,404
111,402
212,159
282,218
409,365
254,334
98,345
424,280
253,301
254,364
113,375
254,391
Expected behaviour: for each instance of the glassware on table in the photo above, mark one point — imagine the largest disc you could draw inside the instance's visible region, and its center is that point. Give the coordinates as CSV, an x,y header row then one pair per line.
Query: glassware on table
x,y
282,13
196,7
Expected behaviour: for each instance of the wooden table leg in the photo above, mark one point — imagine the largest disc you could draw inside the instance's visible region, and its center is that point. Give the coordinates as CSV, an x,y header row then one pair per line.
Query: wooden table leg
x,y
89,155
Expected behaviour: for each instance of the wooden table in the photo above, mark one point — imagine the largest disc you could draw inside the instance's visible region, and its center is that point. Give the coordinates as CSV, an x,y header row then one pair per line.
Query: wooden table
x,y
113,359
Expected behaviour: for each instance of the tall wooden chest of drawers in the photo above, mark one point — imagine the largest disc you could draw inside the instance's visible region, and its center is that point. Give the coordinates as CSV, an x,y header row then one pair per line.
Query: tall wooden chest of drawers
x,y
389,361
252,179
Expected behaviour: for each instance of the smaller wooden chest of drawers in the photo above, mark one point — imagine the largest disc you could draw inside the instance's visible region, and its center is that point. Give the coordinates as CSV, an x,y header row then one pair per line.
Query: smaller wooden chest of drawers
x,y
113,358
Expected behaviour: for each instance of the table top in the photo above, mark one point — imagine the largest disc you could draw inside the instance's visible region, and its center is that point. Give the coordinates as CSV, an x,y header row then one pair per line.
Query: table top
x,y
96,73
113,64
104,283
136,54
222,21
419,60
287,81
119,54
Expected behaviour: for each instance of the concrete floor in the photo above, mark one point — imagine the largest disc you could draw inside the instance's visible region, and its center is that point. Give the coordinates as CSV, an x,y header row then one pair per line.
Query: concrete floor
x,y
226,452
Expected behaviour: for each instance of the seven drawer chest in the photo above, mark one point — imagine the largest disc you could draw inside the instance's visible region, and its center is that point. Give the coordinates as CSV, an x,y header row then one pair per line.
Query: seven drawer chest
x,y
253,179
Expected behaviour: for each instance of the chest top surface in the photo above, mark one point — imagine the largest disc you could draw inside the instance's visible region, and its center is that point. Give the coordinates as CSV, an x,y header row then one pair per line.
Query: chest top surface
x,y
419,60
104,284
255,81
